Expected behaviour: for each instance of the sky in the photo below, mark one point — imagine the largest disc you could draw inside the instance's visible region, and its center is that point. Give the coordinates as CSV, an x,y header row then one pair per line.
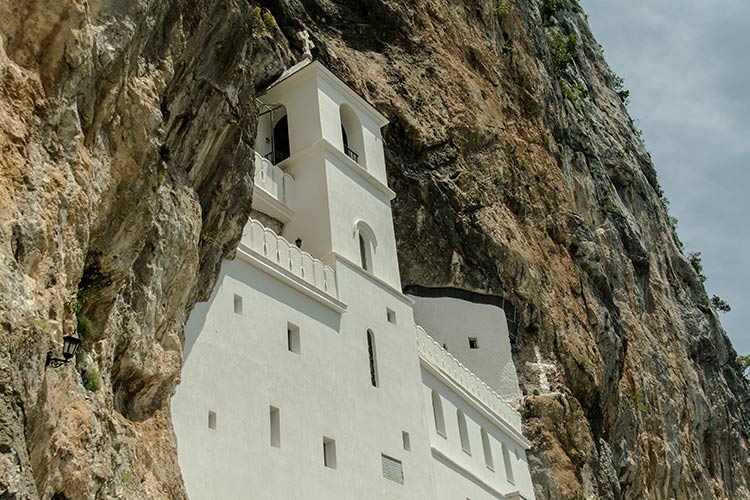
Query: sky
x,y
687,66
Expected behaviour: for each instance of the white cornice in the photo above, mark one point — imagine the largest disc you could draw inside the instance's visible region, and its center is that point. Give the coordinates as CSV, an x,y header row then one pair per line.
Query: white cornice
x,y
301,71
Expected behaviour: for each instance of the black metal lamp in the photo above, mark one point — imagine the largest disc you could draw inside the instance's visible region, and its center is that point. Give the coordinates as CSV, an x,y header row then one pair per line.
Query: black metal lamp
x,y
70,348
298,242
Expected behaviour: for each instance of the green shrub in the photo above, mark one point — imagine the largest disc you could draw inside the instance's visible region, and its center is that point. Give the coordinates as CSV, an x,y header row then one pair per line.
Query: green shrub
x,y
563,48
269,20
744,364
534,327
574,93
720,304
501,10
92,381
85,327
695,260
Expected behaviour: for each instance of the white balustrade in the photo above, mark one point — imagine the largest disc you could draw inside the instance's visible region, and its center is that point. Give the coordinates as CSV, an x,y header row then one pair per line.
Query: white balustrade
x,y
434,353
274,181
279,251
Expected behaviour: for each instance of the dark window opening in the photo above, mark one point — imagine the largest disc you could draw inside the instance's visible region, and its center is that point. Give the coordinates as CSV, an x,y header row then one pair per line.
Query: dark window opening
x,y
281,140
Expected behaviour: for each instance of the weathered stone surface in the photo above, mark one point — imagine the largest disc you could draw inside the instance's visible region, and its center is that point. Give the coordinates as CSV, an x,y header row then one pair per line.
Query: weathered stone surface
x,y
126,131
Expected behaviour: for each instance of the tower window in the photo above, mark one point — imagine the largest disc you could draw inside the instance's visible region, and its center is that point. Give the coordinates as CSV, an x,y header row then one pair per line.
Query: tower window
x,y
275,427
508,465
406,440
437,412
329,452
237,304
391,315
281,140
473,344
212,420
373,362
292,338
487,451
351,134
463,432
363,251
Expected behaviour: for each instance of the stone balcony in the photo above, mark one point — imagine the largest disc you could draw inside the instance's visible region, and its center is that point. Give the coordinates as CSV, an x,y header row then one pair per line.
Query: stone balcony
x,y
274,193
277,251
439,359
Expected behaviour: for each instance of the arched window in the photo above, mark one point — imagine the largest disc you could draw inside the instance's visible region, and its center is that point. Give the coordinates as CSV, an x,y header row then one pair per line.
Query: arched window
x,y
366,243
437,412
281,140
373,362
351,134
463,431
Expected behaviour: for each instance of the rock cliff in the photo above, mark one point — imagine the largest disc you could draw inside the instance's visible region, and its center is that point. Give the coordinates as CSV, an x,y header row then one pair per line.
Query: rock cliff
x,y
126,177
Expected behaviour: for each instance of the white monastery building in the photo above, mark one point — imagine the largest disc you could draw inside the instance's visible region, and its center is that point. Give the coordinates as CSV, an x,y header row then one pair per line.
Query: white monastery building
x,y
305,374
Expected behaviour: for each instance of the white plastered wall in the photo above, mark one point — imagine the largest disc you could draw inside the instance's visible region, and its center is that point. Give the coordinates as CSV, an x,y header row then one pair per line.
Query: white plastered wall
x,y
462,475
451,321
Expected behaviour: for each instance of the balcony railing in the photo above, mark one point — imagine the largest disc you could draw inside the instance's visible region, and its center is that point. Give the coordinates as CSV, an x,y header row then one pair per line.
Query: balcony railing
x,y
279,251
351,153
433,353
273,180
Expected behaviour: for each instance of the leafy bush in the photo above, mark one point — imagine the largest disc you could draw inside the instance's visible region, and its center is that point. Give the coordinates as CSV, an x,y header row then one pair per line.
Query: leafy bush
x,y
92,381
744,363
501,10
563,48
574,93
85,326
720,304
695,261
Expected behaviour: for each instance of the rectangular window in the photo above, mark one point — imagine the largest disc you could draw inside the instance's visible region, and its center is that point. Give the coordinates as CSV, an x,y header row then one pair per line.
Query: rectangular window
x,y
237,304
488,461
212,420
463,432
329,452
473,344
406,440
373,362
393,469
508,465
292,338
391,315
437,412
275,427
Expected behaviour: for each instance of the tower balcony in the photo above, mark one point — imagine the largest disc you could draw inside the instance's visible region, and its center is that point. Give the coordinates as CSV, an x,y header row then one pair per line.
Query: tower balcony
x,y
274,195
287,261
447,366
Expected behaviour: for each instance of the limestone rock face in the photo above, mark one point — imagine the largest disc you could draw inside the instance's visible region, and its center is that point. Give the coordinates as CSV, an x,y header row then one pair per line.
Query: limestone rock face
x,y
520,173
126,131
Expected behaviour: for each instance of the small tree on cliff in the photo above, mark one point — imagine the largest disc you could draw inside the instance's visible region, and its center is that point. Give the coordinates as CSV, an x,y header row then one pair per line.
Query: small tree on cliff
x,y
720,304
744,362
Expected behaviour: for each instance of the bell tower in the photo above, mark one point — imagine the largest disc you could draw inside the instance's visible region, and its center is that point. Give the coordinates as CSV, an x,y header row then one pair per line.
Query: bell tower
x,y
328,139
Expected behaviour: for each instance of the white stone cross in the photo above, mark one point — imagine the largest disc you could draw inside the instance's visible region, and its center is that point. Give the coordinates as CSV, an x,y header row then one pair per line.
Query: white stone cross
x,y
542,367
307,44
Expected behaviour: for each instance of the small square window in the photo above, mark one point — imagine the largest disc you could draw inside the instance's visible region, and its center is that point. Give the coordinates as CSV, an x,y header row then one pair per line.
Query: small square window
x,y
329,452
473,344
391,315
237,304
407,440
292,338
212,420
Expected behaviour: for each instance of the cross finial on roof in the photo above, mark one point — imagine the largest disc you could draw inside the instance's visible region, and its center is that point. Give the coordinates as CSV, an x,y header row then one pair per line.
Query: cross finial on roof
x,y
307,44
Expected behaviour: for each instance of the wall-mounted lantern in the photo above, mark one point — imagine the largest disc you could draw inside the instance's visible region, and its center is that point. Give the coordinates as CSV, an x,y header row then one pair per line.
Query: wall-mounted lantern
x,y
298,242
70,347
